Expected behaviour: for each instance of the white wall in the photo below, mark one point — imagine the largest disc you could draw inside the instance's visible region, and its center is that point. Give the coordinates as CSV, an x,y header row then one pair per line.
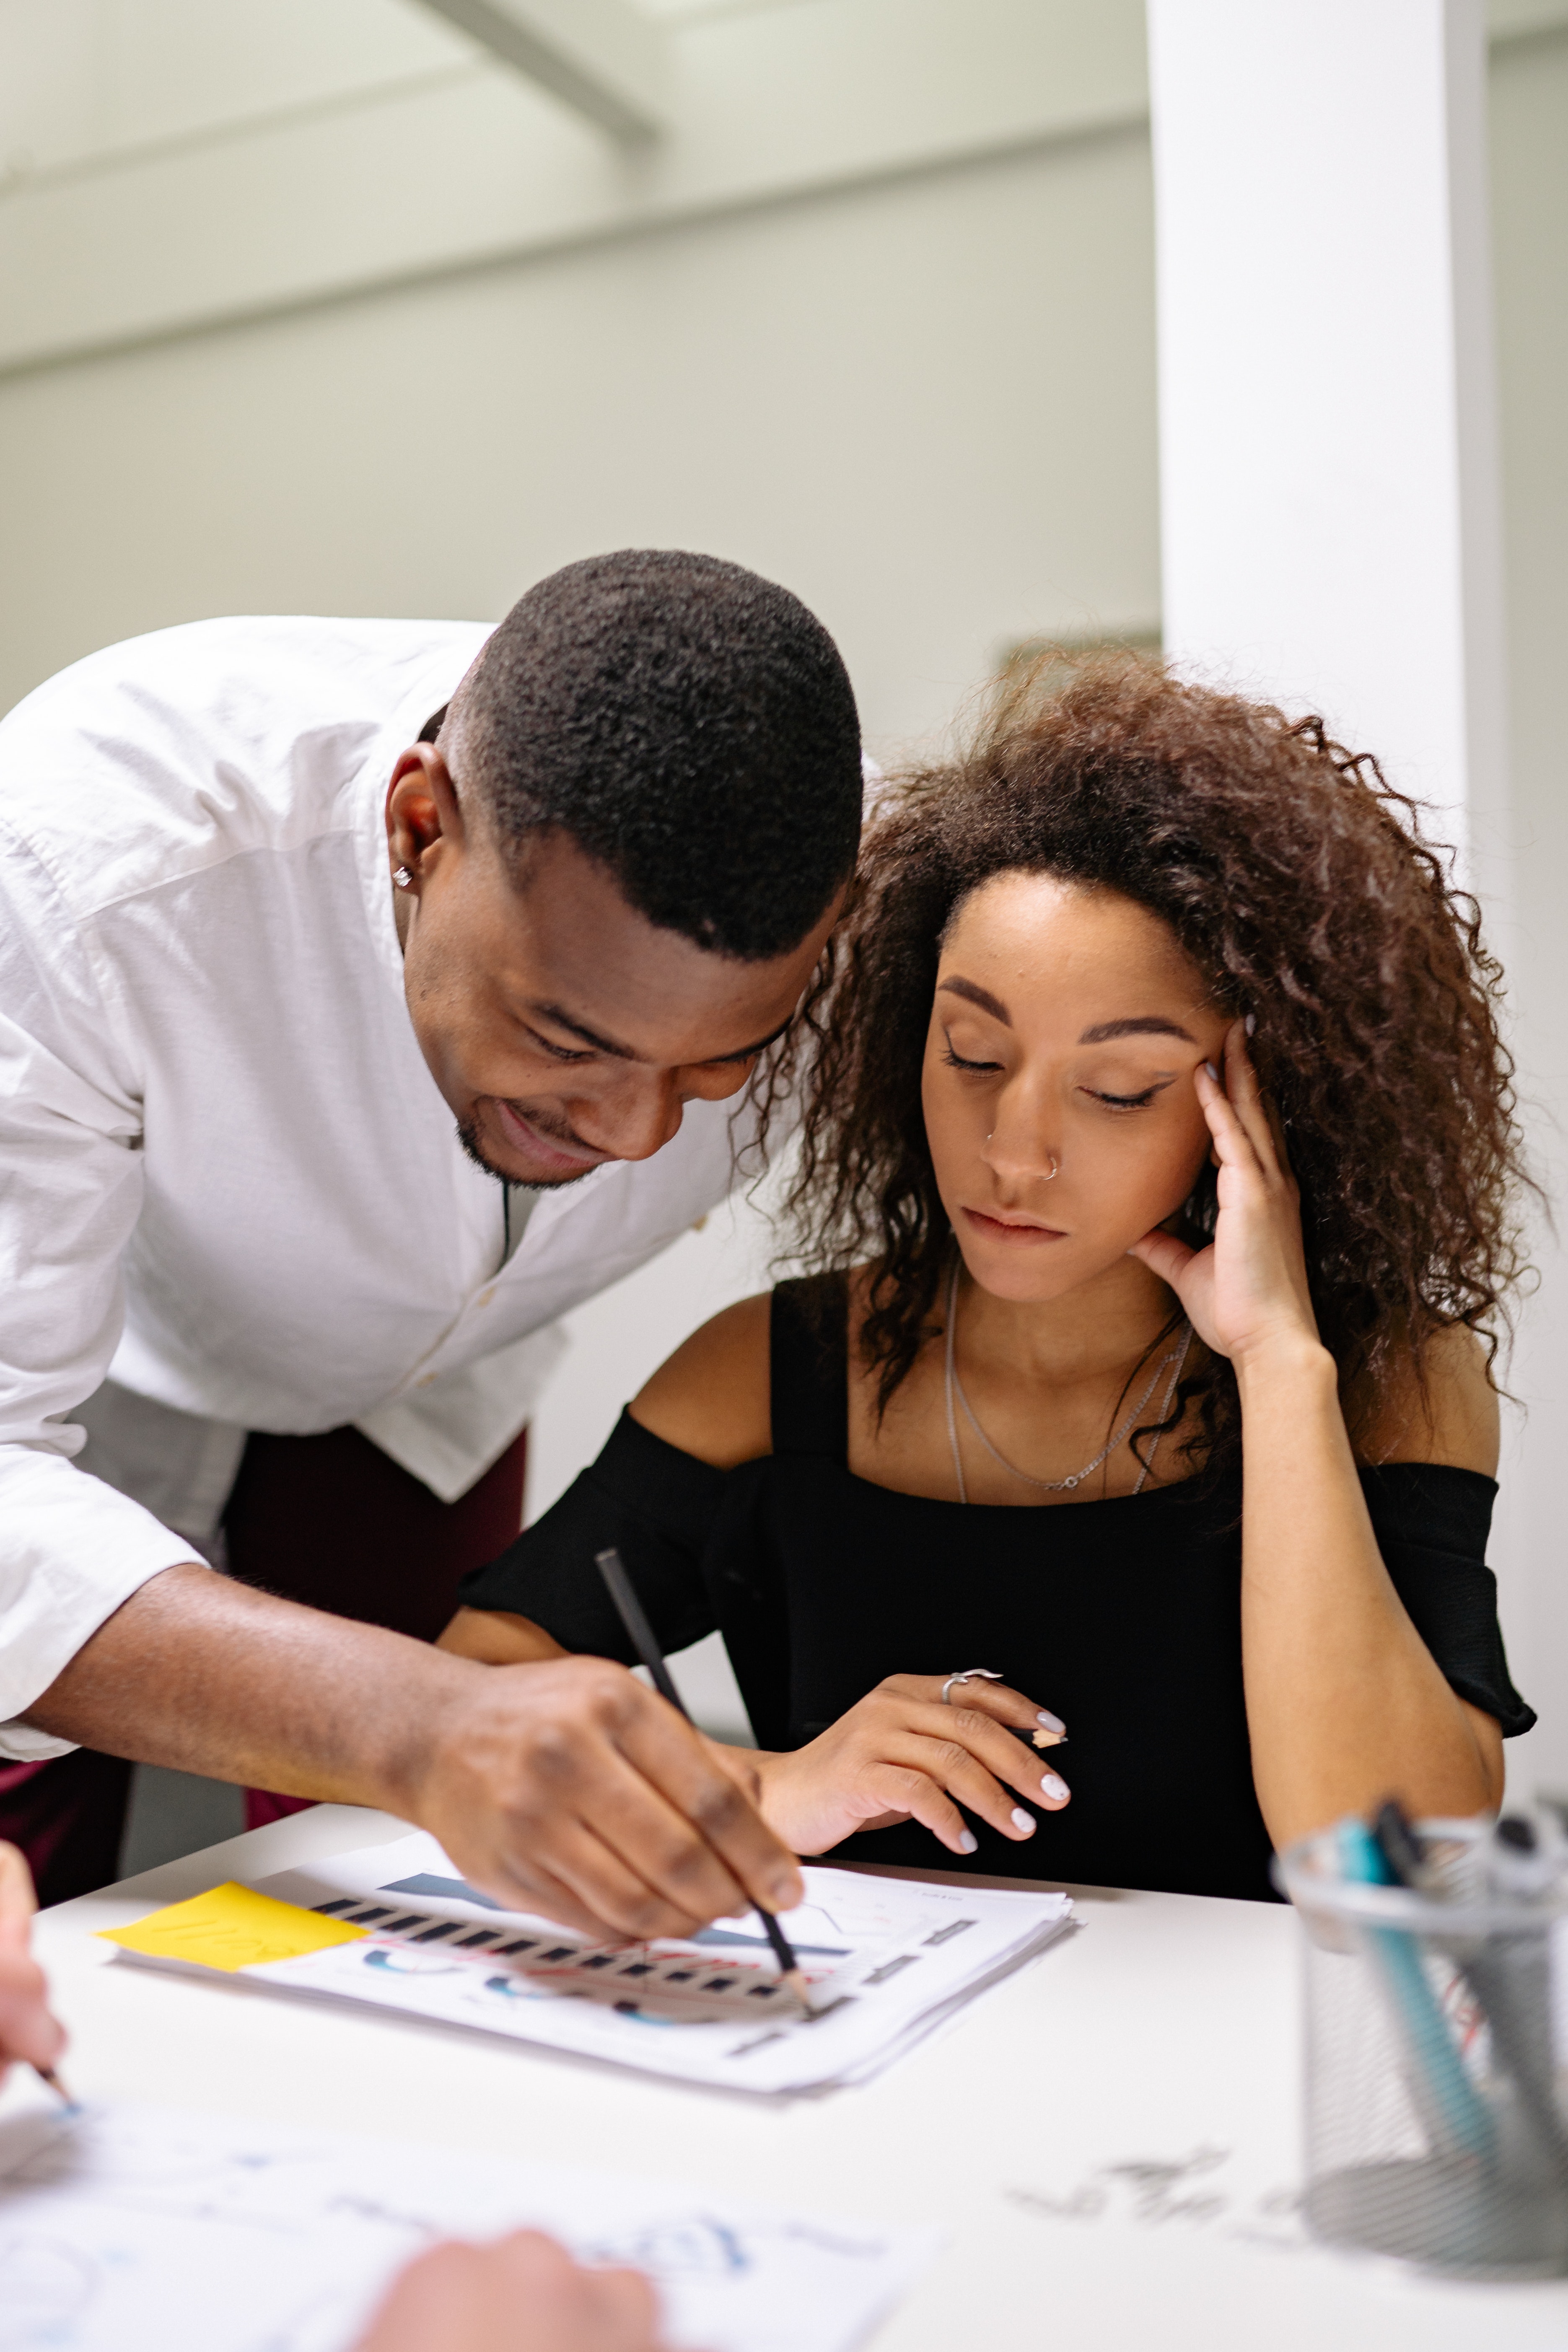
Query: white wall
x,y
926,404
927,407
1529,169
1329,498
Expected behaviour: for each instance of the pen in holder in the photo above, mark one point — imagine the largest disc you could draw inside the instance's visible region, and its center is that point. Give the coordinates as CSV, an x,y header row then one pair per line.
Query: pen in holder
x,y
1436,2123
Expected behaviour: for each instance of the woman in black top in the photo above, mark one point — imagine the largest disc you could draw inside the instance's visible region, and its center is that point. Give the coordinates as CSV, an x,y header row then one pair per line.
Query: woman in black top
x,y
1157,1164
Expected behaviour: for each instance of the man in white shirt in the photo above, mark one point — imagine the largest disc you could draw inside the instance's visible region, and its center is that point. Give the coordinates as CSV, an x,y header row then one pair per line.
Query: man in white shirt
x,y
282,904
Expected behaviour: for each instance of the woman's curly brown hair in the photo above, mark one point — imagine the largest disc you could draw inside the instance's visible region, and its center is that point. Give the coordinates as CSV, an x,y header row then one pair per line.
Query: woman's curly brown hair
x,y
1297,880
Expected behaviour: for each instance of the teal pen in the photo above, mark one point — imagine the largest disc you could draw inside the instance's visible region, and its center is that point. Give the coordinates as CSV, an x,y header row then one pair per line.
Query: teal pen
x,y
1509,1975
1455,2113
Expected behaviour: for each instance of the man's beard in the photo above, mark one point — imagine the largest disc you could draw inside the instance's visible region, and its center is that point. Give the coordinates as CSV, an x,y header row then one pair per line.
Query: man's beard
x,y
468,1137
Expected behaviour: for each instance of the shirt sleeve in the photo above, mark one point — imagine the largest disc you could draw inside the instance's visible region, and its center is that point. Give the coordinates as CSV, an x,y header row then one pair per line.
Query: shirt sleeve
x,y
658,1506
71,1548
1432,1521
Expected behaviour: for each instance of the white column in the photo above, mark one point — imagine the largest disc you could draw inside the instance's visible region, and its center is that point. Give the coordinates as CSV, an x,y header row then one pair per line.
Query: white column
x,y
1328,491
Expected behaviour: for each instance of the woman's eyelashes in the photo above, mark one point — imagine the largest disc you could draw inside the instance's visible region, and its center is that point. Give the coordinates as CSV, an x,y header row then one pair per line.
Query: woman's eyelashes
x,y
957,1061
1129,1102
971,1064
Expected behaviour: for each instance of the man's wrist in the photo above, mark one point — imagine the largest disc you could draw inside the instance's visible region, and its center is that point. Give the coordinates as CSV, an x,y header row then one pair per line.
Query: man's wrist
x,y
423,1720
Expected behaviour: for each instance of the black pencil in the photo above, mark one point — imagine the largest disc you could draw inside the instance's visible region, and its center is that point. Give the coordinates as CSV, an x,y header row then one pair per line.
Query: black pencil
x,y
640,1633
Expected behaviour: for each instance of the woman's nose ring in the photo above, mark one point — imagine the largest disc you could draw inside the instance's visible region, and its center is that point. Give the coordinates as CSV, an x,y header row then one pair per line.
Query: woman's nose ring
x,y
1056,1164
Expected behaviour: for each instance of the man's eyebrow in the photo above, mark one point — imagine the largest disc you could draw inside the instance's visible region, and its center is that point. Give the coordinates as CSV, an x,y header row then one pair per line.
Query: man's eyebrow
x,y
1140,1024
578,1029
564,1020
981,996
746,1052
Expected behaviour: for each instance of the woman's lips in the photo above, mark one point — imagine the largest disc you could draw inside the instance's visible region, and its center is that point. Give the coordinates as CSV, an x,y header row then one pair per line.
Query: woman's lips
x,y
524,1137
1012,1231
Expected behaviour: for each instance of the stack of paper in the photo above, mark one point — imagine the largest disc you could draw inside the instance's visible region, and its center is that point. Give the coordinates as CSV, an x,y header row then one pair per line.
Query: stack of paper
x,y
395,1926
143,2229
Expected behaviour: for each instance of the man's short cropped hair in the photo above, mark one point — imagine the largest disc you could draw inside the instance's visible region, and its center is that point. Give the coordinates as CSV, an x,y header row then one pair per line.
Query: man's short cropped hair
x,y
691,726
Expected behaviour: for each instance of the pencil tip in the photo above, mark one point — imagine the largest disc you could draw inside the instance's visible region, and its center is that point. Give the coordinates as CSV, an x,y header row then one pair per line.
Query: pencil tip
x,y
48,2075
795,1980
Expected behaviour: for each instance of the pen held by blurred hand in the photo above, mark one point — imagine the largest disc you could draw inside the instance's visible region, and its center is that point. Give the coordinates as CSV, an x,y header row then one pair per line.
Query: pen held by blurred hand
x,y
48,2075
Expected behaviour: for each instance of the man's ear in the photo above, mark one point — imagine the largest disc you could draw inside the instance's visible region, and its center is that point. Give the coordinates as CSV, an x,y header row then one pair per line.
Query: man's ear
x,y
422,816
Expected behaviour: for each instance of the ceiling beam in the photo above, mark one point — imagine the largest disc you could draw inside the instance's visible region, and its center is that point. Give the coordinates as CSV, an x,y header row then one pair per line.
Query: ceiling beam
x,y
768,105
604,59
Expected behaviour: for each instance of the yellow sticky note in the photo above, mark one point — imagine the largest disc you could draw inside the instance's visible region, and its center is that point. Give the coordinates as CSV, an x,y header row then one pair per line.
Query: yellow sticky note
x,y
231,1928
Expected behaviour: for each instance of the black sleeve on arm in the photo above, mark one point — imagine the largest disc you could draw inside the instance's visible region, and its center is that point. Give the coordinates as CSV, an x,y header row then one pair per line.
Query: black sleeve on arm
x,y
1431,1521
656,1505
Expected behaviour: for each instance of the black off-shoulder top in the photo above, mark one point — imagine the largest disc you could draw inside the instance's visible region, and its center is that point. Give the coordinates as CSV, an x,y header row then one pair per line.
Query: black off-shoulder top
x,y
1122,1615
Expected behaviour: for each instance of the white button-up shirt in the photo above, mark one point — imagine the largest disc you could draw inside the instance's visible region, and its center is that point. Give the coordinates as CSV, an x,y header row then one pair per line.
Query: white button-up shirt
x,y
231,1194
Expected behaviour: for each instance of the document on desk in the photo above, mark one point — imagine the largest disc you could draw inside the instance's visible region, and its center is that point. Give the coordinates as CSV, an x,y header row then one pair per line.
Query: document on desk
x,y
394,1926
144,2229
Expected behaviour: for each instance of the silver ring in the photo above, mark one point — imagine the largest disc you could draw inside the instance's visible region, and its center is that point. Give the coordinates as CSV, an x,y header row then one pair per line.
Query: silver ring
x,y
970,1674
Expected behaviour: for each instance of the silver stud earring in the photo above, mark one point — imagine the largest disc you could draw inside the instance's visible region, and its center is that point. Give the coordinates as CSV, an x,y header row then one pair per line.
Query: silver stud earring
x,y
402,877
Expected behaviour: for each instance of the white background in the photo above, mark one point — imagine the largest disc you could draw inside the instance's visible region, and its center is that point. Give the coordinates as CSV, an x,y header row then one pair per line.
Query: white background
x,y
922,396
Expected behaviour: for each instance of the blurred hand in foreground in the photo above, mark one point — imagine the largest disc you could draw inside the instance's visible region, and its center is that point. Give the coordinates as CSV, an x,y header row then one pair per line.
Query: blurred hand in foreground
x,y
26,2029
523,2294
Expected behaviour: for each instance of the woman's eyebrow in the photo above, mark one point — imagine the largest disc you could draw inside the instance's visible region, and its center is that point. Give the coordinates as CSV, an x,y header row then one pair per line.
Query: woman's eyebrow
x,y
978,995
1140,1024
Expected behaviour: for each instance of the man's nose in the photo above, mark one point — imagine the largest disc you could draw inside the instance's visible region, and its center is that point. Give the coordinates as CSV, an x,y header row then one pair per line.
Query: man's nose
x,y
637,1120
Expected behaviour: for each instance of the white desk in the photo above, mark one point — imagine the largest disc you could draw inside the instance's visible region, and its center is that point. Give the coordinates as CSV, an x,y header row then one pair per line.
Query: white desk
x,y
1163,2032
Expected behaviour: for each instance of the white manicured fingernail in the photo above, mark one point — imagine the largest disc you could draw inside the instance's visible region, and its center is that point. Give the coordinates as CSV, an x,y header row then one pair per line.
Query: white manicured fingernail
x,y
1212,1071
969,1843
1054,1785
1252,1024
1021,1820
1052,1722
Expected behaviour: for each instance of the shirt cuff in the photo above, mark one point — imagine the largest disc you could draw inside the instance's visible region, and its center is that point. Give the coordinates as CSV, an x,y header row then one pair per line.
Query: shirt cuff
x,y
76,1552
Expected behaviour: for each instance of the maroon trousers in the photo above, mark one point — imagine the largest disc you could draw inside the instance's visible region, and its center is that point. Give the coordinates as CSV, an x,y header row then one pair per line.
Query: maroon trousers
x,y
329,1520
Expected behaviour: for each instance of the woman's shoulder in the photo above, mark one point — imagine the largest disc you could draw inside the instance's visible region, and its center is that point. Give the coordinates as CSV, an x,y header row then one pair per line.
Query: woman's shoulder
x,y
713,1397
1441,1407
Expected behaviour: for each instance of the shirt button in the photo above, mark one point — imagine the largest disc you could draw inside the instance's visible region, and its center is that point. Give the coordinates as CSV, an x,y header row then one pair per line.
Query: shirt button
x,y
485,1297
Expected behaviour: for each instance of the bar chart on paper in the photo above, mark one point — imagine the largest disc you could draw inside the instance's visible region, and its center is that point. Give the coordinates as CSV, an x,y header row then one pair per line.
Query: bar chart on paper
x,y
395,1926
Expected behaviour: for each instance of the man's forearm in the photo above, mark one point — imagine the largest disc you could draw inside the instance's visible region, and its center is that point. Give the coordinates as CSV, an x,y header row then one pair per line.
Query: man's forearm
x,y
561,1786
207,1674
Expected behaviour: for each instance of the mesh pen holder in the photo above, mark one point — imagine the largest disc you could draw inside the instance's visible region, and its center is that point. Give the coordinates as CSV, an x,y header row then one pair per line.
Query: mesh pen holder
x,y
1437,2127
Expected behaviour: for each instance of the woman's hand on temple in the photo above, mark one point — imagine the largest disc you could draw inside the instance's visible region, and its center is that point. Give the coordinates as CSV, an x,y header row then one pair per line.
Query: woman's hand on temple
x,y
523,2294
1247,1291
26,2029
899,1755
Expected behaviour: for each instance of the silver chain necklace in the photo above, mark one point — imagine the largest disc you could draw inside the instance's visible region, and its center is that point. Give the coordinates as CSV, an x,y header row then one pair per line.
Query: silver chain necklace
x,y
954,1386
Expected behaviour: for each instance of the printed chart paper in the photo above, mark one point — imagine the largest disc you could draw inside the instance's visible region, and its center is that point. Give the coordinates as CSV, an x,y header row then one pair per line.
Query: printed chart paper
x,y
888,1960
151,2230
